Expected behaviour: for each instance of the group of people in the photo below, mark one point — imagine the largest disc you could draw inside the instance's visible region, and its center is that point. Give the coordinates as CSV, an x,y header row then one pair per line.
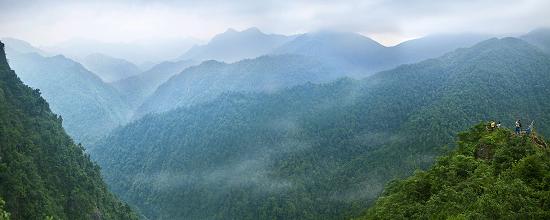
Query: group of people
x,y
493,125
518,128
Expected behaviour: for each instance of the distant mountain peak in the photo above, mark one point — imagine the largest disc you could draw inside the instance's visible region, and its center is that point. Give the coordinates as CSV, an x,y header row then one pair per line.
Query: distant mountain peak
x,y
212,63
253,30
233,45
234,34
248,30
230,30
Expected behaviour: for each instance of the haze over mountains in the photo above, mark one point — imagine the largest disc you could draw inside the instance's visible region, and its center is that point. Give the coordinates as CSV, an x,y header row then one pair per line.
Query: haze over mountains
x,y
256,126
233,45
280,110
137,88
540,38
210,79
319,151
144,54
43,173
109,69
345,54
337,54
89,106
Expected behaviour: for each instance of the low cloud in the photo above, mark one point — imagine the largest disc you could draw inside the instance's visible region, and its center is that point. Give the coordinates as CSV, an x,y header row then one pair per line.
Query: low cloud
x,y
388,21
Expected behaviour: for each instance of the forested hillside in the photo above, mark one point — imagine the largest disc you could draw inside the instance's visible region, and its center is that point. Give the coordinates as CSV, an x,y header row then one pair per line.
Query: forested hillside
x,y
208,80
312,57
90,108
137,88
319,151
43,173
432,46
493,174
540,38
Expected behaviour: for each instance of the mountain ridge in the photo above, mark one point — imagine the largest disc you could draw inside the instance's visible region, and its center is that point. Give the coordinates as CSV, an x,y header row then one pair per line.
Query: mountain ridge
x,y
330,147
108,68
71,89
43,173
231,46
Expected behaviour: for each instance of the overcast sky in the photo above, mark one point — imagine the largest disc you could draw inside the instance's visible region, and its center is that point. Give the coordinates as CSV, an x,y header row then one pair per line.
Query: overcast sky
x,y
45,23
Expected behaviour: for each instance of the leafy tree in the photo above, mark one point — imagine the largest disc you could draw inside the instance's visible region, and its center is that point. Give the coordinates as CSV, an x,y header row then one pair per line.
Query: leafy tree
x,y
4,215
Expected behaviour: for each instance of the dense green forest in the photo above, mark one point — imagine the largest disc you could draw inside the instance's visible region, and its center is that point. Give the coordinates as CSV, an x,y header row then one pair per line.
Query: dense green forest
x,y
320,151
313,57
90,107
205,82
493,174
43,173
539,37
137,88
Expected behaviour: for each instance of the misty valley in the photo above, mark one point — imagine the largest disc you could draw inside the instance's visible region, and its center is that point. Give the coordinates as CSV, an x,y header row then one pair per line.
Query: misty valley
x,y
324,124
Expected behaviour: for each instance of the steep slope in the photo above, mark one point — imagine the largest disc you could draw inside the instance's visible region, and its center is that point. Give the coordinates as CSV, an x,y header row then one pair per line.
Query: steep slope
x,y
108,68
42,172
540,38
232,46
136,88
206,81
90,108
493,174
319,151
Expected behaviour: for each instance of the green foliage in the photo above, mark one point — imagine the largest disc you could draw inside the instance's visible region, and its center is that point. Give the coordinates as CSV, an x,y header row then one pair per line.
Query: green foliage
x,y
90,107
42,172
510,182
4,215
137,88
210,79
323,151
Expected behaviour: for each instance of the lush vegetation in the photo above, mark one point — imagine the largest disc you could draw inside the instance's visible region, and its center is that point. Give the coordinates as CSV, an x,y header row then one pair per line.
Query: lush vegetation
x,y
319,151
137,88
540,38
210,79
3,214
90,107
43,173
493,174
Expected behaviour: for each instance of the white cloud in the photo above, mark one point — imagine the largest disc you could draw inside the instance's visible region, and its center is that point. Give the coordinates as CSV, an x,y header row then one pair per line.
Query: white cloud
x,y
47,22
